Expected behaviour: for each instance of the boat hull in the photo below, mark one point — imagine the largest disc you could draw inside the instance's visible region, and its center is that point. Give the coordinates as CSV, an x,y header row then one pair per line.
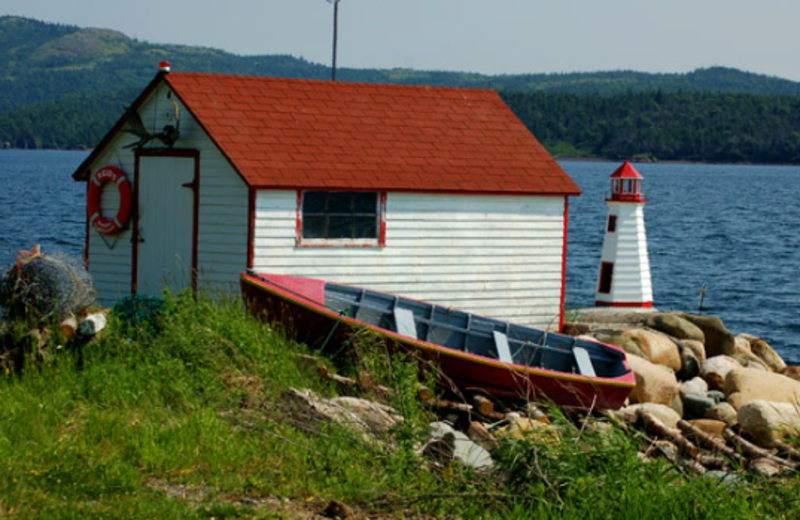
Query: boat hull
x,y
298,305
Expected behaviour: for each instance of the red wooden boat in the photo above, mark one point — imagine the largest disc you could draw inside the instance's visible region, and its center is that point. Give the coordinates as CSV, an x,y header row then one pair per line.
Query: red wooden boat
x,y
504,359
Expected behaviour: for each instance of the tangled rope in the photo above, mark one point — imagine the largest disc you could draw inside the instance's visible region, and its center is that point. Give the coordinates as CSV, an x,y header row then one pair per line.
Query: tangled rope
x,y
44,286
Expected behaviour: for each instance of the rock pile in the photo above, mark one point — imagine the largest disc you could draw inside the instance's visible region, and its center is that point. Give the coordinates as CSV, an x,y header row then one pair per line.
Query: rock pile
x,y
691,368
710,402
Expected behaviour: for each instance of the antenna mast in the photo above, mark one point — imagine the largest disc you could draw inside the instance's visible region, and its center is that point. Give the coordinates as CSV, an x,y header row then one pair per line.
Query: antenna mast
x,y
335,33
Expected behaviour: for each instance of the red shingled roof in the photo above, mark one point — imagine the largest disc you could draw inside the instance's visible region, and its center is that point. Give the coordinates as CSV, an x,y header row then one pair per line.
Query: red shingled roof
x,y
626,171
288,133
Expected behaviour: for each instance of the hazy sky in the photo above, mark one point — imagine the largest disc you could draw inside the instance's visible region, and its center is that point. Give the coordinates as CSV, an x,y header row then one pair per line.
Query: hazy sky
x,y
493,37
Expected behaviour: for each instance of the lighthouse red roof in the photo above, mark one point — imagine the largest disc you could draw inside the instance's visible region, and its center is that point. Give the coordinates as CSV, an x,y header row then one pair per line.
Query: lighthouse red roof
x,y
626,171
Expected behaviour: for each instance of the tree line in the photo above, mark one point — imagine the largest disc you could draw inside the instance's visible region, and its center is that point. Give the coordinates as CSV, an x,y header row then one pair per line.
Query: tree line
x,y
698,127
673,126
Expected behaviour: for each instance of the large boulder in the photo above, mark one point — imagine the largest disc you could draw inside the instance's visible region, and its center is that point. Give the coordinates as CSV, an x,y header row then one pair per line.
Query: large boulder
x,y
676,326
719,340
659,349
767,422
792,371
697,348
742,345
620,340
743,385
766,353
654,384
746,360
716,369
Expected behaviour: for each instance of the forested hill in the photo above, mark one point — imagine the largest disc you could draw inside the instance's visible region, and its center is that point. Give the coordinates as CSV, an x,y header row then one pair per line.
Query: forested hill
x,y
64,86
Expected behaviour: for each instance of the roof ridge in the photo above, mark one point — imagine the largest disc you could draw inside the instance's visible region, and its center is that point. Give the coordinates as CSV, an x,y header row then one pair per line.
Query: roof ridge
x,y
326,82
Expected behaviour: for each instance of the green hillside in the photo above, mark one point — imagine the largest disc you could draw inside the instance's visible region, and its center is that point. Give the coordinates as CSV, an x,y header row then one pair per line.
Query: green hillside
x,y
64,86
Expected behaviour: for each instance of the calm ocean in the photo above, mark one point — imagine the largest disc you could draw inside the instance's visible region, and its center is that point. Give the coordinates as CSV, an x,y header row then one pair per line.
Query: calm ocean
x,y
733,228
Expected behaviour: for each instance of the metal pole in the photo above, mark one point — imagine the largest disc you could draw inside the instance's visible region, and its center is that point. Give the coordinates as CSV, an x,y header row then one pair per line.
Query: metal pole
x,y
335,33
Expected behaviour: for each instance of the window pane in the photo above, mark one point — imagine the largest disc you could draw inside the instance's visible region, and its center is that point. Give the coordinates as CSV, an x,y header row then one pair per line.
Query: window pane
x,y
366,227
314,201
313,227
341,227
366,202
341,202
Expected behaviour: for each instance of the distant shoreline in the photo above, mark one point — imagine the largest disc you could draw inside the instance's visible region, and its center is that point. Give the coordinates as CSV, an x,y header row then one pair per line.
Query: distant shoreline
x,y
570,159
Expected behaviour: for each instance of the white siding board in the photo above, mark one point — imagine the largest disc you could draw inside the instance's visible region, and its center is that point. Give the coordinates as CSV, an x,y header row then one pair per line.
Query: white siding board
x,y
280,250
501,256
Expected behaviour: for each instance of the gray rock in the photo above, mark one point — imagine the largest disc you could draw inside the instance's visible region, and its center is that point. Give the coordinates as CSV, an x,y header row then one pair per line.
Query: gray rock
x,y
623,342
676,326
772,359
716,395
690,365
719,340
695,406
723,412
695,386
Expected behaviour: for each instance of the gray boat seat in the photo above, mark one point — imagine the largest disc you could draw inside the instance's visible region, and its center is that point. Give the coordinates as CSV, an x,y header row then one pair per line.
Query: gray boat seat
x,y
584,362
501,342
404,320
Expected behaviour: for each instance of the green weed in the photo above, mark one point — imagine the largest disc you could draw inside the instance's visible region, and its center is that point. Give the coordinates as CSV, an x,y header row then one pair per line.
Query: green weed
x,y
183,419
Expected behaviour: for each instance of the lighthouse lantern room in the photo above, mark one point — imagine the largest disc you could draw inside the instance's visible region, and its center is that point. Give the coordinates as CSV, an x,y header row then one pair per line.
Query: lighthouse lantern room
x,y
624,278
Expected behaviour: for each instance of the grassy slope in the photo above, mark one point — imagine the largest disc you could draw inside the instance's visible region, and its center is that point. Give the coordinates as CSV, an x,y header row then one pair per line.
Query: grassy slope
x,y
184,423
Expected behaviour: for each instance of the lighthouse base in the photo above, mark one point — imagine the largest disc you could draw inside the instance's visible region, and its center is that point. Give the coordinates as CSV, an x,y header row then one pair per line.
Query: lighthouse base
x,y
644,305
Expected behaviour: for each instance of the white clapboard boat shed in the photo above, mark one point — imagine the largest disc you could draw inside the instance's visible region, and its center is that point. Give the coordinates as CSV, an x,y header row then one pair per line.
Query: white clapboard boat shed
x,y
624,278
438,194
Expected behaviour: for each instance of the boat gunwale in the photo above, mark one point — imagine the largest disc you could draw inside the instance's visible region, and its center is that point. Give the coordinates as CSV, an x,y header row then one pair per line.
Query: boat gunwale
x,y
626,380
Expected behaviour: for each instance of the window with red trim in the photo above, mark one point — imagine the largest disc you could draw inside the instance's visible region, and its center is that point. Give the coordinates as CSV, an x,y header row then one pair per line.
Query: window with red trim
x,y
612,223
606,277
340,218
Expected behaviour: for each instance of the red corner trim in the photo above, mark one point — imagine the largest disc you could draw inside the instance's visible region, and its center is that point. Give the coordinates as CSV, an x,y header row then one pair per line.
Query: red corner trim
x,y
251,226
88,231
382,237
564,266
135,226
298,228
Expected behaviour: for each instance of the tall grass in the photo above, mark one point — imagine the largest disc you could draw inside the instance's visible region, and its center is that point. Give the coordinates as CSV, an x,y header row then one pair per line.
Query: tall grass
x,y
183,419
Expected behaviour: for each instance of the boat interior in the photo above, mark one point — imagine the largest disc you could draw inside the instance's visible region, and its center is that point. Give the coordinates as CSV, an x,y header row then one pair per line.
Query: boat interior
x,y
478,335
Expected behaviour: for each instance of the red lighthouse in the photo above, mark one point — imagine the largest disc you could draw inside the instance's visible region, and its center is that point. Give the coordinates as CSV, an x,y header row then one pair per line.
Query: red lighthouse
x,y
624,279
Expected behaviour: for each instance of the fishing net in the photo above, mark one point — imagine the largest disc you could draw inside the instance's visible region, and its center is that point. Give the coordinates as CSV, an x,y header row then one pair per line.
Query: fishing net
x,y
139,311
45,286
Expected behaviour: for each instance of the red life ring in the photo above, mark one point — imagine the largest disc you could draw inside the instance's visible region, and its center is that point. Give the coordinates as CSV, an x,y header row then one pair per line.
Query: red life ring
x,y
102,176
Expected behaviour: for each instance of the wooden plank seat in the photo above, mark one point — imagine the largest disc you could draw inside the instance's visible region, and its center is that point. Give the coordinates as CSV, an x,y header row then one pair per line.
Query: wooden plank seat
x,y
404,321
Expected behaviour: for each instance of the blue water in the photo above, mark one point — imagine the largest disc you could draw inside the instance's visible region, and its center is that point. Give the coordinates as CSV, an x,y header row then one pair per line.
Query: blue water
x,y
733,228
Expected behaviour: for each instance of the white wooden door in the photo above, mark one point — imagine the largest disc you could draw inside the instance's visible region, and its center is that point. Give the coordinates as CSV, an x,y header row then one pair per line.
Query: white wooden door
x,y
166,224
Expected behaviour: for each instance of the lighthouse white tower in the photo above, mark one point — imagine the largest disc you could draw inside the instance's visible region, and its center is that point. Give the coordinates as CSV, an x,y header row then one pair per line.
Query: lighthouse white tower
x,y
624,279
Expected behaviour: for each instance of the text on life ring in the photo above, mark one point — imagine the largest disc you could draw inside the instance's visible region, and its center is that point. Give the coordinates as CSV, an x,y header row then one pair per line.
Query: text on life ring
x,y
105,175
